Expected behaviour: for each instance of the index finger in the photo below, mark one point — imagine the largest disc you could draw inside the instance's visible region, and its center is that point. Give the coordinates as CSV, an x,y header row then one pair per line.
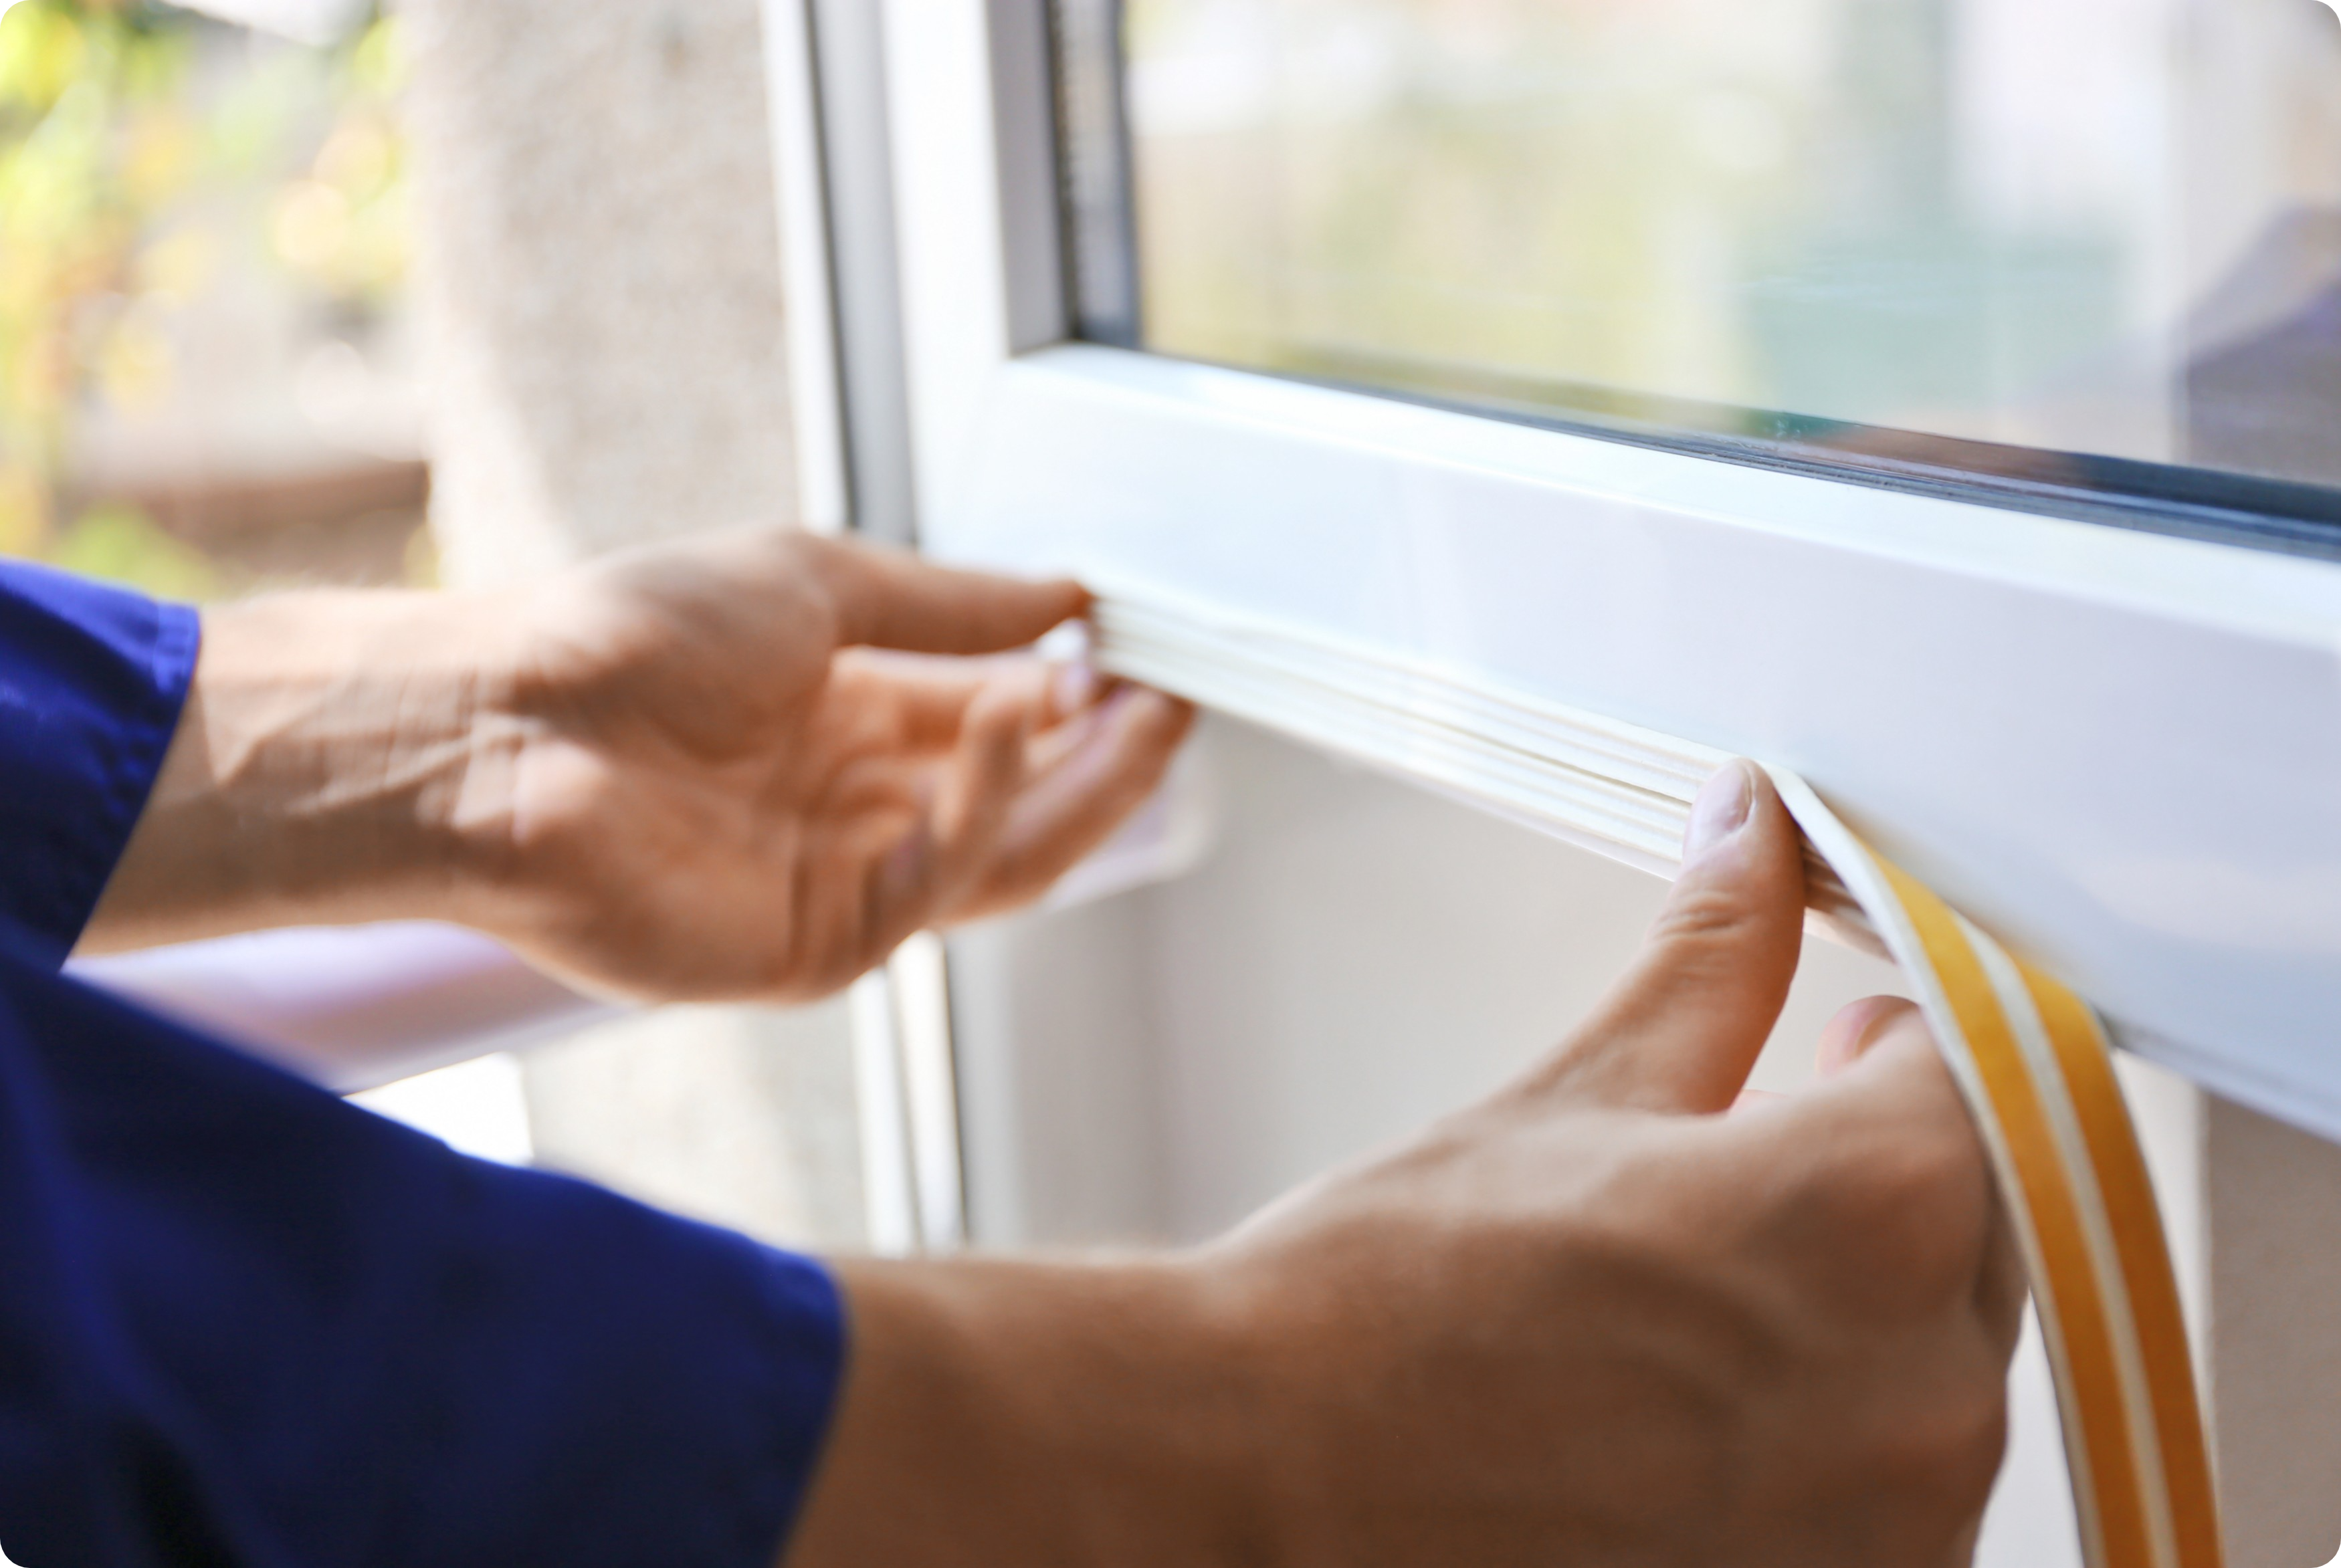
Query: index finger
x,y
891,599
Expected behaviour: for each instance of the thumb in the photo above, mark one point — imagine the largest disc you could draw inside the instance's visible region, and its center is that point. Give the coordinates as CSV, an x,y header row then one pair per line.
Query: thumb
x,y
1681,1030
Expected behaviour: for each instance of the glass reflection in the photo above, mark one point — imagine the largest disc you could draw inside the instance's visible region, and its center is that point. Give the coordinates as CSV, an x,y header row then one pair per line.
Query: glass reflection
x,y
2109,228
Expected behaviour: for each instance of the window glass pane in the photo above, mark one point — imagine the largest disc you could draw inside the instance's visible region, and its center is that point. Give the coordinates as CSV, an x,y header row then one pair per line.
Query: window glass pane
x,y
1890,228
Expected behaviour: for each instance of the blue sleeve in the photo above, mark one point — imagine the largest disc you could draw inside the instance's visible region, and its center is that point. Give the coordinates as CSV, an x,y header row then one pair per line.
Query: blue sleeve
x,y
91,683
243,1323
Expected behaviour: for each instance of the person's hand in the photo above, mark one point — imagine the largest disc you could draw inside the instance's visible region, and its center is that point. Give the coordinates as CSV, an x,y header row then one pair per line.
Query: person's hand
x,y
1597,1318
745,765
740,769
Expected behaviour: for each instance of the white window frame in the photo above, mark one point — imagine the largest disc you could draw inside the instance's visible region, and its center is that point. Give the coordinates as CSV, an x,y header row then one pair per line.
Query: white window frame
x,y
2119,750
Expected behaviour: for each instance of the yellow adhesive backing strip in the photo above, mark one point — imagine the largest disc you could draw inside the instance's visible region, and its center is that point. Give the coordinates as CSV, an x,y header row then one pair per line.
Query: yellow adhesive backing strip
x,y
2153,1288
2027,1053
2074,1311
2038,1078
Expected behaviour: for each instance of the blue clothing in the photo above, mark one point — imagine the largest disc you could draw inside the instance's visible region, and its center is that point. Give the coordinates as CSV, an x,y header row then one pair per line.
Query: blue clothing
x,y
244,1323
91,680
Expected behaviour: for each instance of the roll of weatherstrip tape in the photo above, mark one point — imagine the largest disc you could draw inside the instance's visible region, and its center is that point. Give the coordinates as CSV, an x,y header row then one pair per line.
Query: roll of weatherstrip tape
x,y
2028,1054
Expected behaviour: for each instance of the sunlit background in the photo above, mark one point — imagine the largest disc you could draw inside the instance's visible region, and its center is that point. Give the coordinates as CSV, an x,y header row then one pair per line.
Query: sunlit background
x,y
253,253
207,379
2109,227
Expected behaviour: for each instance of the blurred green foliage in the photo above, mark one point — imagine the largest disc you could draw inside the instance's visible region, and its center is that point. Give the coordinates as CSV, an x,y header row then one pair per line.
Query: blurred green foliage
x,y
124,174
112,541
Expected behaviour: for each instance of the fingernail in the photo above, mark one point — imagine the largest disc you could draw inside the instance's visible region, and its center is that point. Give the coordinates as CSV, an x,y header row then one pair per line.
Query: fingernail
x,y
1857,1027
1721,808
1076,683
907,864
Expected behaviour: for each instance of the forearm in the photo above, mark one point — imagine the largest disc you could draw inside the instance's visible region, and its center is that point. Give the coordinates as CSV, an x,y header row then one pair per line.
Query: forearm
x,y
653,775
332,764
1042,1413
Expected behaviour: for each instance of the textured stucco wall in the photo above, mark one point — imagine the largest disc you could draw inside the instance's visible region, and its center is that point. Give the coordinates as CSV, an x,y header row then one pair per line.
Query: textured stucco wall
x,y
601,275
2273,1208
601,301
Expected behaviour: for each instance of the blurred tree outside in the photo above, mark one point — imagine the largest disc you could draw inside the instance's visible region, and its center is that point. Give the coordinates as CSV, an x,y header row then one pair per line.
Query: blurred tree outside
x,y
203,248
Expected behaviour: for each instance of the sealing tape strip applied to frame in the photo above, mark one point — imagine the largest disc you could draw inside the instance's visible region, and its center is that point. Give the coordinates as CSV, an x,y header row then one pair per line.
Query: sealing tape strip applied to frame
x,y
2028,1054
2036,1072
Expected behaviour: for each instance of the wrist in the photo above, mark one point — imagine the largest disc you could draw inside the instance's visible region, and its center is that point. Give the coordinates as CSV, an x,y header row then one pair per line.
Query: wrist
x,y
337,759
1045,1413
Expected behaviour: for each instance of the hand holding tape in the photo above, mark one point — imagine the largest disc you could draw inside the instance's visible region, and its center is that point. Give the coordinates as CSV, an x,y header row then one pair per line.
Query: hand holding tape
x,y
2029,1055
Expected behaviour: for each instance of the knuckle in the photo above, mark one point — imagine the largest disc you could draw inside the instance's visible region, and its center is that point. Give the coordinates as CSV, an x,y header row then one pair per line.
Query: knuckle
x,y
1709,934
1946,1446
1936,1170
1896,1219
1701,912
812,548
